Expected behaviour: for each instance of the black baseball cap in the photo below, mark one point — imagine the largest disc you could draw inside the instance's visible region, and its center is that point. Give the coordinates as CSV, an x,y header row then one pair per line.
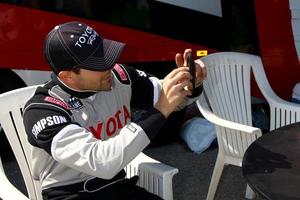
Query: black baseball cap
x,y
77,45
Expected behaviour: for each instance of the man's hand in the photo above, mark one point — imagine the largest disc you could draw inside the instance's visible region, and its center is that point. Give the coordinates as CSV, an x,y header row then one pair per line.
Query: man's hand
x,y
181,61
173,91
177,84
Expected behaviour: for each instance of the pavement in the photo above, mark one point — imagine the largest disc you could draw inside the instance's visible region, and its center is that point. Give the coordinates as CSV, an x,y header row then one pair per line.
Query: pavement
x,y
195,171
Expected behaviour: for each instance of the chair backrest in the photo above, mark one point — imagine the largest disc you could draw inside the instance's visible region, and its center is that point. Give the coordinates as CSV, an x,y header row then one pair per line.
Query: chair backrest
x,y
227,90
282,112
11,104
228,86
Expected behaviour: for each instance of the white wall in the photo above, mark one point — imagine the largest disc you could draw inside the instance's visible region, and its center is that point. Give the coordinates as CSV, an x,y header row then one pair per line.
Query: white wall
x,y
33,77
212,7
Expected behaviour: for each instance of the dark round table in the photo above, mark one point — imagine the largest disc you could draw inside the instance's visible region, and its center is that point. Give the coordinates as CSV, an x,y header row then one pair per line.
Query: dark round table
x,y
271,164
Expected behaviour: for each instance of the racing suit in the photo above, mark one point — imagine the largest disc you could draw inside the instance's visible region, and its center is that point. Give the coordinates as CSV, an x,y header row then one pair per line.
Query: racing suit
x,y
71,131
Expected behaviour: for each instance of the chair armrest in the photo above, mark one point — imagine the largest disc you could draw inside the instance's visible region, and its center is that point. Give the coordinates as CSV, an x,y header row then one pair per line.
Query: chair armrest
x,y
7,190
154,176
210,116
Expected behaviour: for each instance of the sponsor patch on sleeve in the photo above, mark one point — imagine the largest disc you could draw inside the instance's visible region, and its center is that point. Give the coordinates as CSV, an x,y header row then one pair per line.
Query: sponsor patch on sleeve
x,y
121,74
45,122
56,101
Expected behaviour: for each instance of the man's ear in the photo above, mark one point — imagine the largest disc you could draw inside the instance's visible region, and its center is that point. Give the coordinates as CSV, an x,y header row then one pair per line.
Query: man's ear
x,y
65,76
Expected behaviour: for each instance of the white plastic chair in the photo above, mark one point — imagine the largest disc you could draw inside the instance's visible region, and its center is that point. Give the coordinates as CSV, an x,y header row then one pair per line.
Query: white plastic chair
x,y
156,177
227,103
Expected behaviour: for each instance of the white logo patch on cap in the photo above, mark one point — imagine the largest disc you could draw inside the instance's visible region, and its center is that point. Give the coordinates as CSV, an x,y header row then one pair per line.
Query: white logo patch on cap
x,y
87,37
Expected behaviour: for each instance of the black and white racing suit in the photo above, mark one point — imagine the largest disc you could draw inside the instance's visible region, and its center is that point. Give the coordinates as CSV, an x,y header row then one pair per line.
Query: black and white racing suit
x,y
71,131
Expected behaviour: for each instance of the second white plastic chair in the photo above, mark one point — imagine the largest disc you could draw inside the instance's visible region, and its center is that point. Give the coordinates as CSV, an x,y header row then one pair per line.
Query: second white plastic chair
x,y
228,105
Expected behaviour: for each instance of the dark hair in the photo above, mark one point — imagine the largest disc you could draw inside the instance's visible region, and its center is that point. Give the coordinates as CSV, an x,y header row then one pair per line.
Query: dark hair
x,y
76,70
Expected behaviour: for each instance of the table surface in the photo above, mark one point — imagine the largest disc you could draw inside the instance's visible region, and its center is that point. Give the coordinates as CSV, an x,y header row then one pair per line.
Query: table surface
x,y
271,164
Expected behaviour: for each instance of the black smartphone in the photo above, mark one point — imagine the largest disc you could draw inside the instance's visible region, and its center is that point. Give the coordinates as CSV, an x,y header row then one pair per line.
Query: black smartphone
x,y
191,65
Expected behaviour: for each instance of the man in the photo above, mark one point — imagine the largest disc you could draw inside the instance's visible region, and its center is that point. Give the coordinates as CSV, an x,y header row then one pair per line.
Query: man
x,y
80,124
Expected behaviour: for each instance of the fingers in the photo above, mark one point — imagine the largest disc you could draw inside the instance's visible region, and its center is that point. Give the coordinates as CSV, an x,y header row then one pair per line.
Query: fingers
x,y
177,76
178,81
173,93
203,72
183,86
180,70
180,88
181,60
185,54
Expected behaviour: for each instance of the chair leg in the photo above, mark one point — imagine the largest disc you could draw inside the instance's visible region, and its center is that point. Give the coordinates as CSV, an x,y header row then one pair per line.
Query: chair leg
x,y
250,194
218,169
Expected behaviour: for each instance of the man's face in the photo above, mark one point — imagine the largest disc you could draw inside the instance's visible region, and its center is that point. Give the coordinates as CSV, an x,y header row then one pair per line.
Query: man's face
x,y
93,80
